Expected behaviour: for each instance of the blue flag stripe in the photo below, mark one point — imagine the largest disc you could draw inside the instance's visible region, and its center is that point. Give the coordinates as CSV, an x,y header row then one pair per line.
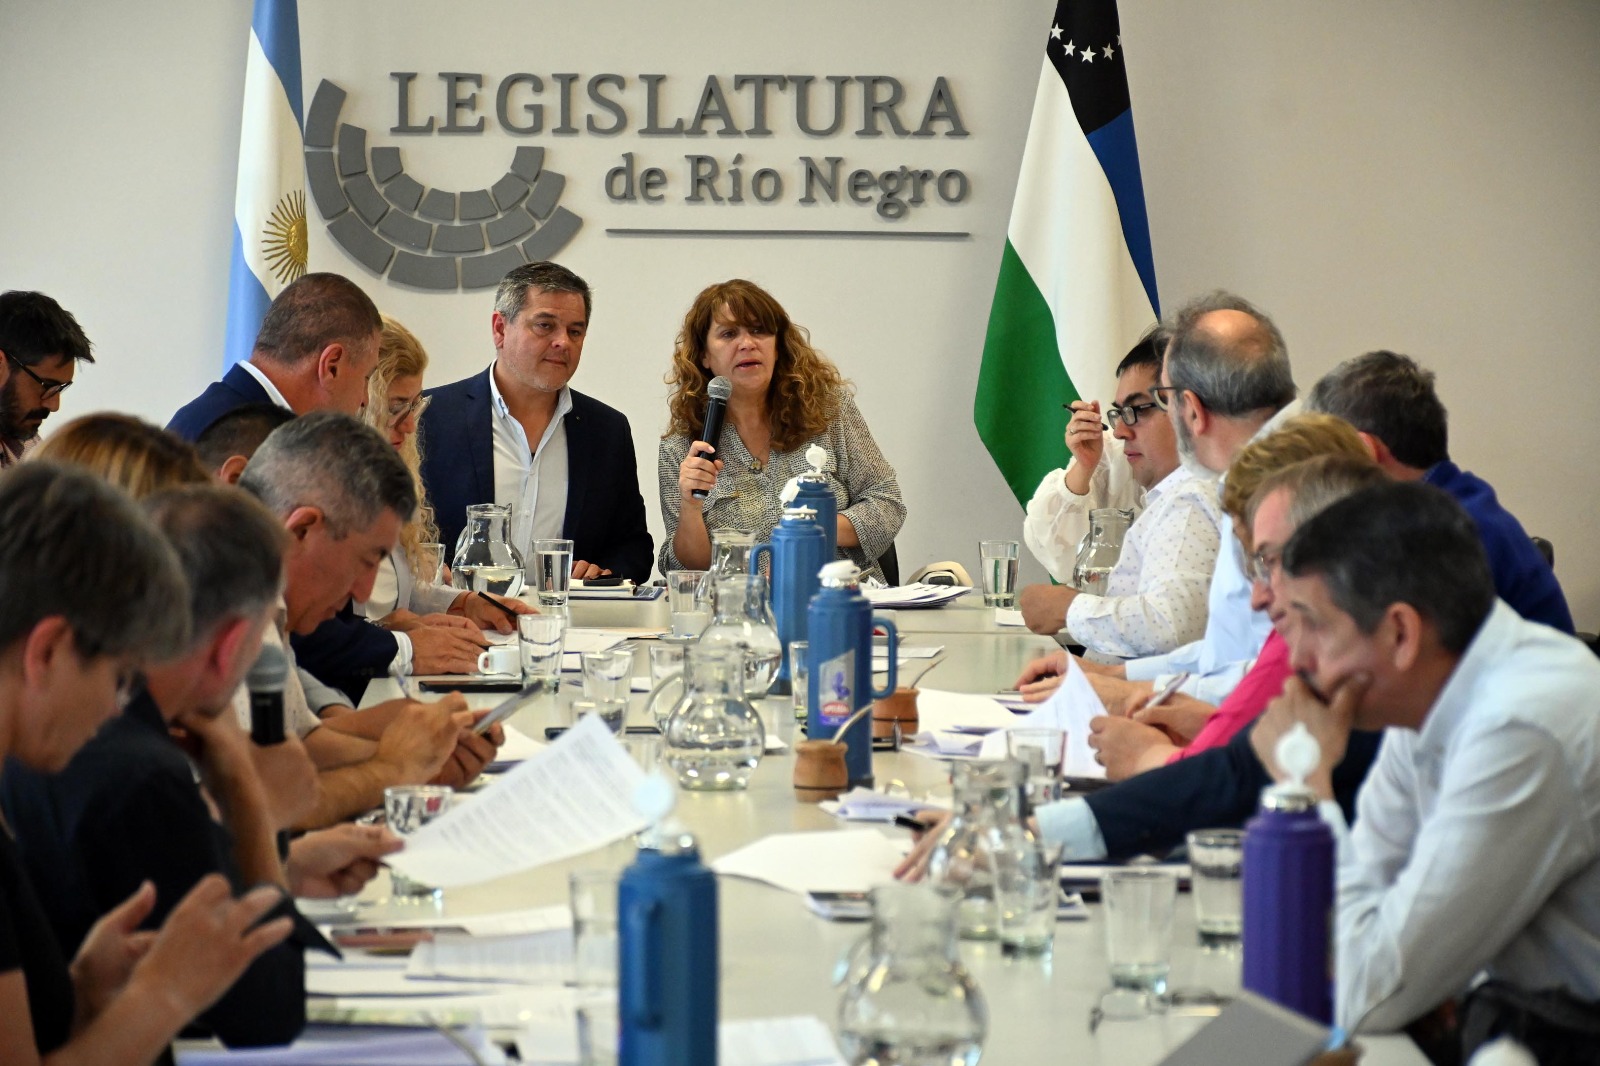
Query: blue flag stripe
x,y
1114,145
247,306
277,26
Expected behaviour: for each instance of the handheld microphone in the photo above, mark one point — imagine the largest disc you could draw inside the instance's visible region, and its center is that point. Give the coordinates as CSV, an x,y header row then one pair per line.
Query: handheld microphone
x,y
265,682
718,390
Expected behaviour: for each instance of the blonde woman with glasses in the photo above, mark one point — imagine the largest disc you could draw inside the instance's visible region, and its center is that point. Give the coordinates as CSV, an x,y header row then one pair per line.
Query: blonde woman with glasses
x,y
412,594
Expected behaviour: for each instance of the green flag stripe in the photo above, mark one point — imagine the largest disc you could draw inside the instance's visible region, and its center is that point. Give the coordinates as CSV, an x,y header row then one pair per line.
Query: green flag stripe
x,y
1022,383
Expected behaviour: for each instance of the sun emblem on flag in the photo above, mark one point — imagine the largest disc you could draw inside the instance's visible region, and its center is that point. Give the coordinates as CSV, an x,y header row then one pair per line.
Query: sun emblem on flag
x,y
284,242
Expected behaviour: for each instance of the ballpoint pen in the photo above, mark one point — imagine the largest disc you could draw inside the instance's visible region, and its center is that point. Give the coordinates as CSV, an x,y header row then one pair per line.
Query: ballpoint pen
x,y
497,605
404,683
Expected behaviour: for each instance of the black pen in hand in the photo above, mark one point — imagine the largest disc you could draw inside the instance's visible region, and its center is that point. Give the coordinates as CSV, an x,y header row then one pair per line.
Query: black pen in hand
x,y
497,605
1068,407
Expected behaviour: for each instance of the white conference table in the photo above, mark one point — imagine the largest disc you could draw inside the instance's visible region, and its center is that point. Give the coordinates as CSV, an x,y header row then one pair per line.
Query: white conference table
x,y
778,958
966,615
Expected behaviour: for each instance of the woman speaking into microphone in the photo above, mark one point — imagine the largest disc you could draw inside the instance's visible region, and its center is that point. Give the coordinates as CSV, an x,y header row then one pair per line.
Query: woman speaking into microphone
x,y
785,397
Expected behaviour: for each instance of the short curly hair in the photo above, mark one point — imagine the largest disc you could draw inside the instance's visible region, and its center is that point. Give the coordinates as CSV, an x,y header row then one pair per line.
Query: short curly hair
x,y
804,394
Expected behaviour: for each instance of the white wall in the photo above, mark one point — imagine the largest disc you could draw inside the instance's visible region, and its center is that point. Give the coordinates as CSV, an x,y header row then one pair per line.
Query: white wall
x,y
1373,174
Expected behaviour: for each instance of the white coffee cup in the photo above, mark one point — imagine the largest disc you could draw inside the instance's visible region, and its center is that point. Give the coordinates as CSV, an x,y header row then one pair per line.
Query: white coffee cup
x,y
500,659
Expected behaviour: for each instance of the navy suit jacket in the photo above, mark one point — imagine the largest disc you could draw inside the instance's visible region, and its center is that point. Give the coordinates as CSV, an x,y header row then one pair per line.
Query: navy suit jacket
x,y
238,388
1218,789
346,652
605,518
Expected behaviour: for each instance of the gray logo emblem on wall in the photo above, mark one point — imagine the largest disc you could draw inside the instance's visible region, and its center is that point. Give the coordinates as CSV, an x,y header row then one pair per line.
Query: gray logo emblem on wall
x,y
429,238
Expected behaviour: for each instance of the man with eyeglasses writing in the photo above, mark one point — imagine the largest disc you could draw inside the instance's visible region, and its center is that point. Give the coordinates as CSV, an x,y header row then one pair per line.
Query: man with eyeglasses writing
x,y
42,345
1155,597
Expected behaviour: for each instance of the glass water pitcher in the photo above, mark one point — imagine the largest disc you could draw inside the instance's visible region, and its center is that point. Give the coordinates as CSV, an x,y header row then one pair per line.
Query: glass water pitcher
x,y
911,1001
1100,549
713,738
988,821
485,560
742,621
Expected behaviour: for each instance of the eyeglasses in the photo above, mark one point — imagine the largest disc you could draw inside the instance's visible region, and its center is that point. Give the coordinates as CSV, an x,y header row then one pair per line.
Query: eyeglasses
x,y
51,386
1260,565
398,412
1130,414
1166,395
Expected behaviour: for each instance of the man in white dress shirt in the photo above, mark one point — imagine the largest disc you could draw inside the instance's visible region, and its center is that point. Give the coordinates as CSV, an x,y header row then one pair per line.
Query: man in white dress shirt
x,y
1476,845
516,433
1155,598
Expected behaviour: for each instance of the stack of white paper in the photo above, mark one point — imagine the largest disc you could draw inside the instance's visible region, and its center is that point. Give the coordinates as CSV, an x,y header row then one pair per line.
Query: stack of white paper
x,y
347,1047
798,1041
917,595
852,860
1070,708
905,655
580,590
946,745
953,724
518,747
573,797
384,981
528,958
865,805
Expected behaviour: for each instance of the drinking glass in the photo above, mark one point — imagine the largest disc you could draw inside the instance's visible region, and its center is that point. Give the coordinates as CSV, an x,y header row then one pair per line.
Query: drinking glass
x,y
1139,904
1216,856
594,927
407,808
1042,751
613,712
599,1033
607,675
1000,560
689,615
644,748
799,676
552,568
665,660
541,636
776,718
1027,888
430,564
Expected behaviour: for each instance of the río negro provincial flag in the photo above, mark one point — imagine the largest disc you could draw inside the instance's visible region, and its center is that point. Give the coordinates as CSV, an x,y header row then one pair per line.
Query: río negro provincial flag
x,y
1077,284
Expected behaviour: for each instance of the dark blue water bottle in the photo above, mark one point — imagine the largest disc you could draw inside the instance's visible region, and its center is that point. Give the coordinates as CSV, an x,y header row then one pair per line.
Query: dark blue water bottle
x,y
1288,870
797,551
840,663
814,489
667,947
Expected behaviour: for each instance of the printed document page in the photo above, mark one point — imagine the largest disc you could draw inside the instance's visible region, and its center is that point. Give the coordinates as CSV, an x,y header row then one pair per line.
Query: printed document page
x,y
573,797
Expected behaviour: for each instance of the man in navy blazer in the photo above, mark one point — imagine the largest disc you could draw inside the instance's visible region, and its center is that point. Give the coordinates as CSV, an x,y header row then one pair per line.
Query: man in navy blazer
x,y
518,434
317,347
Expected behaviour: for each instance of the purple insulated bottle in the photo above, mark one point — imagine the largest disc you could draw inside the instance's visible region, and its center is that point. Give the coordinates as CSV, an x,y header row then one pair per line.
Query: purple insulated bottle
x,y
1288,890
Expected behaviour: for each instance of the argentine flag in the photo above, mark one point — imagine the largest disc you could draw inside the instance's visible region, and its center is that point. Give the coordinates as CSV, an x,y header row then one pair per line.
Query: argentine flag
x,y
269,204
1077,283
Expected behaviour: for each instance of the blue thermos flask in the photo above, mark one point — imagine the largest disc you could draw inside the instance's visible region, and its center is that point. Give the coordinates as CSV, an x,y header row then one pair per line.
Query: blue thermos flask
x,y
840,662
1288,871
797,551
814,490
667,947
